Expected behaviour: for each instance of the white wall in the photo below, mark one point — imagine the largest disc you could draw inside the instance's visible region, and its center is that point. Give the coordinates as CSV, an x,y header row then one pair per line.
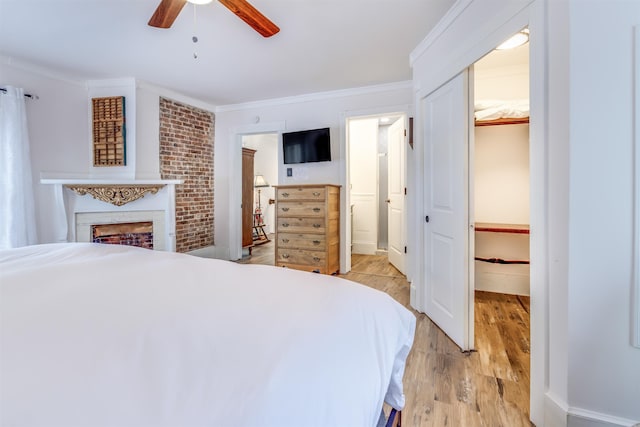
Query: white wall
x,y
291,114
58,131
502,174
506,83
604,369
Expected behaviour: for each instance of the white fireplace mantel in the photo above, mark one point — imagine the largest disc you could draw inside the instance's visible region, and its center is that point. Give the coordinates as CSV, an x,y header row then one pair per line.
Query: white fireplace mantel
x,y
110,181
159,196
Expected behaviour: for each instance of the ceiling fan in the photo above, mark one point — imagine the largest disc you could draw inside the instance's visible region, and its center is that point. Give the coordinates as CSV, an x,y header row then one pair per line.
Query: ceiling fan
x,y
168,11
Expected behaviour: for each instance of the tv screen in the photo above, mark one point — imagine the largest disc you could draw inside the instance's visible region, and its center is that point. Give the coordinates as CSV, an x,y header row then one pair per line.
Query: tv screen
x,y
306,146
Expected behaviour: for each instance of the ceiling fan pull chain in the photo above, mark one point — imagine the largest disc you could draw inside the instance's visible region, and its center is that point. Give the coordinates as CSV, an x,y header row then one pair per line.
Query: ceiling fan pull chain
x,y
194,38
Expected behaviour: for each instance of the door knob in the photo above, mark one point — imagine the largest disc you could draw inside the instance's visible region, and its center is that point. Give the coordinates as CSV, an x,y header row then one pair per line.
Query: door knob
x,y
388,200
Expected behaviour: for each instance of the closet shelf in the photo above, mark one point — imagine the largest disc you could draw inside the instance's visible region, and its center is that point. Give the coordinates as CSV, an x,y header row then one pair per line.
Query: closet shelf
x,y
502,121
502,228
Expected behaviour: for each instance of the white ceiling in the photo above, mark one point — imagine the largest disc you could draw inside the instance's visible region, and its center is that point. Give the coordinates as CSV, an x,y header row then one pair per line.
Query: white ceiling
x,y
323,45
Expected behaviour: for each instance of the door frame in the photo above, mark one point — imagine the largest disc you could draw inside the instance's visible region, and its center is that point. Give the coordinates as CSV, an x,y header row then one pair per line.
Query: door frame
x,y
345,221
473,43
235,181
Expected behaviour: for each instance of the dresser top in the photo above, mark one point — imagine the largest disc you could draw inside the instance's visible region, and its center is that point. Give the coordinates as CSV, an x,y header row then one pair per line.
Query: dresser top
x,y
306,186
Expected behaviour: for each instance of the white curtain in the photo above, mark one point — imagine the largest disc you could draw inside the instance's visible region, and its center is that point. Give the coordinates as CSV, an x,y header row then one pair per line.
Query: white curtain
x,y
17,212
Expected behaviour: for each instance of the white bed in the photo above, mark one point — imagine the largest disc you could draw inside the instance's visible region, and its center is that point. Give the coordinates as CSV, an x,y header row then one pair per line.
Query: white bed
x,y
104,335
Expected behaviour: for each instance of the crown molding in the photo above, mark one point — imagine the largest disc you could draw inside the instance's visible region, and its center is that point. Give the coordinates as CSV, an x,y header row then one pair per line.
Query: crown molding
x,y
407,84
42,70
175,96
452,14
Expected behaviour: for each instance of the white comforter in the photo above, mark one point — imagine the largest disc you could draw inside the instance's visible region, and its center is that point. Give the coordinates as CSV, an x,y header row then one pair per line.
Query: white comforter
x,y
102,335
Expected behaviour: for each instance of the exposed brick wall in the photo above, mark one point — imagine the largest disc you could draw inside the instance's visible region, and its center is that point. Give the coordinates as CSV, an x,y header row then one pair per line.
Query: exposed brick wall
x,y
186,152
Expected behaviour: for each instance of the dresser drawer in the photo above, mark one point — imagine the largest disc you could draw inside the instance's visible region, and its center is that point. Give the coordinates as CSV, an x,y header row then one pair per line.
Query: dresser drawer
x,y
301,193
302,241
315,269
301,225
301,209
301,256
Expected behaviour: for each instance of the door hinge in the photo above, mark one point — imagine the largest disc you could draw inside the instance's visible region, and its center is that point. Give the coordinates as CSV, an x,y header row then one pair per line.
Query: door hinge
x,y
426,218
405,132
405,249
405,191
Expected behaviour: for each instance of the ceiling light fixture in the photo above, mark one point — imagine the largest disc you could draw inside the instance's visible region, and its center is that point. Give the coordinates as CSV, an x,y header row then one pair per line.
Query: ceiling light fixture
x,y
518,39
200,1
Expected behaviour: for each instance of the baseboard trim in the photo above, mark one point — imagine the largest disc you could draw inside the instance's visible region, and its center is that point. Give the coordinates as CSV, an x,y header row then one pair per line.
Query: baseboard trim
x,y
363,248
558,414
555,412
579,417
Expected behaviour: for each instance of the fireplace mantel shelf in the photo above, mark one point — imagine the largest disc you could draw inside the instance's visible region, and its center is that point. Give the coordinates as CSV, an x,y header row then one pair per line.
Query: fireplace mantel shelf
x,y
118,192
109,181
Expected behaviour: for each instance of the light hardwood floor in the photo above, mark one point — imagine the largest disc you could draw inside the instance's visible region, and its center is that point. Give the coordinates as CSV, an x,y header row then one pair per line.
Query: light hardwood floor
x,y
444,386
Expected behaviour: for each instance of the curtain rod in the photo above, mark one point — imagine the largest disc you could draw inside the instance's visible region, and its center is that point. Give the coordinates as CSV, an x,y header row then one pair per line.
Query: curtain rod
x,y
28,95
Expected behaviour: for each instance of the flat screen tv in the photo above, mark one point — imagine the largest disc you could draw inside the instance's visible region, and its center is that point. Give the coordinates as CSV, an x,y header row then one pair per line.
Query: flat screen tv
x,y
306,146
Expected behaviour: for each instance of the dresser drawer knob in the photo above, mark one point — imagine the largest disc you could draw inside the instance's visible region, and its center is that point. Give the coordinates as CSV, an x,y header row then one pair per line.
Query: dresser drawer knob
x,y
316,259
316,242
285,256
286,224
285,240
317,225
315,193
285,209
285,194
316,209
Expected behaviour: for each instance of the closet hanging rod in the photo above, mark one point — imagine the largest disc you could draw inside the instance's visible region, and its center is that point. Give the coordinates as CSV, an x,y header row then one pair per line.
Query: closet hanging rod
x,y
28,95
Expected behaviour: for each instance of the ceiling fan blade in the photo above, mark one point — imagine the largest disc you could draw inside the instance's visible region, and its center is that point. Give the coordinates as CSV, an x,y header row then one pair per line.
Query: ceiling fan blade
x,y
166,13
251,16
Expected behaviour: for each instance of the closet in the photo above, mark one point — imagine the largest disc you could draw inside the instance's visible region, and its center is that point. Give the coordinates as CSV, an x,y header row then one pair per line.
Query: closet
x,y
502,205
501,172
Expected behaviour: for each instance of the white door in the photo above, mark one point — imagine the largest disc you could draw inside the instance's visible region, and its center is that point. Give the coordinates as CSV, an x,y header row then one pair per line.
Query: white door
x,y
446,209
396,201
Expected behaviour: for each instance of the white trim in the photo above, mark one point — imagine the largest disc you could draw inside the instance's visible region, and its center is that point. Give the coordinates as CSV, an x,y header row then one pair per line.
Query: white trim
x,y
48,178
406,110
555,411
596,419
635,309
235,180
452,14
84,221
434,67
175,96
315,96
43,71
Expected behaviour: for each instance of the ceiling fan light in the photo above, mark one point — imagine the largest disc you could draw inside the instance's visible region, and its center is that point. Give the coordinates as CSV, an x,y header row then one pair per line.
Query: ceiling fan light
x,y
518,39
200,1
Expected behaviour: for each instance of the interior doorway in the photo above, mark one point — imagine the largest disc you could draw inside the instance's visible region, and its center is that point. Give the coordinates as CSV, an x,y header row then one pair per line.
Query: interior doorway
x,y
263,179
500,205
376,183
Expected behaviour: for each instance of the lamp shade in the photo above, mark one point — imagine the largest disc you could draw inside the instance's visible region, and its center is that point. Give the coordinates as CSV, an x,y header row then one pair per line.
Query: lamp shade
x,y
259,181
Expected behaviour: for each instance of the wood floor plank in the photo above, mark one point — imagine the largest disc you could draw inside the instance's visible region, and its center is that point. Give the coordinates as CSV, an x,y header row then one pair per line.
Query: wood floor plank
x,y
488,387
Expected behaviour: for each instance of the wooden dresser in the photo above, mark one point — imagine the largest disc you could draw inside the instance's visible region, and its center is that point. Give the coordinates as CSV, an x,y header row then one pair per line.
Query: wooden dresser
x,y
308,227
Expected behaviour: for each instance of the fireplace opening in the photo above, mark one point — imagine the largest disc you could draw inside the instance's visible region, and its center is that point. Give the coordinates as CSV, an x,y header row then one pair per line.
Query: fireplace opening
x,y
131,234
